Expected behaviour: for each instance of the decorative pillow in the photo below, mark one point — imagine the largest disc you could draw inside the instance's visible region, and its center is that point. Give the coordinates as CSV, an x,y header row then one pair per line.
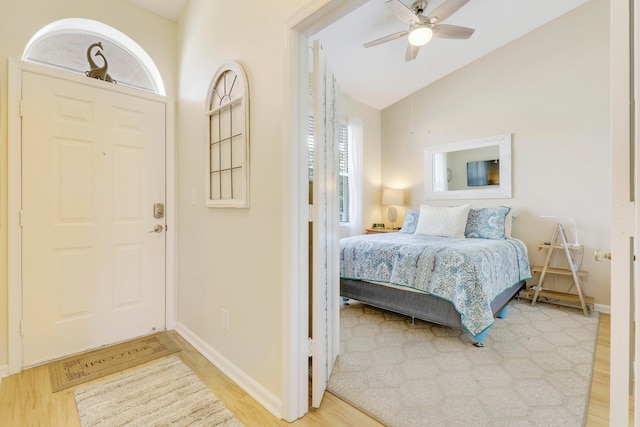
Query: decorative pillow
x,y
442,221
410,221
487,223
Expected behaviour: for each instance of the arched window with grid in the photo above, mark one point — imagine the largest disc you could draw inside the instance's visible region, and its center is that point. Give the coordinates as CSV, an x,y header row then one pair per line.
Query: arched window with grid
x,y
228,138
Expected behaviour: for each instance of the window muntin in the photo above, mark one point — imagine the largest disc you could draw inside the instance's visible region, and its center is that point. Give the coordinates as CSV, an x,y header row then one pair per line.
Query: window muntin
x,y
227,179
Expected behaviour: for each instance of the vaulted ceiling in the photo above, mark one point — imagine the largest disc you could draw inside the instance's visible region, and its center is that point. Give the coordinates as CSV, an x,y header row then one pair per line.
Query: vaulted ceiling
x,y
379,76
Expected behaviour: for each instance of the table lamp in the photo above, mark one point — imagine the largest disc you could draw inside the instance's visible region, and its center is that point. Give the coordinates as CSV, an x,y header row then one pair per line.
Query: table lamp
x,y
392,197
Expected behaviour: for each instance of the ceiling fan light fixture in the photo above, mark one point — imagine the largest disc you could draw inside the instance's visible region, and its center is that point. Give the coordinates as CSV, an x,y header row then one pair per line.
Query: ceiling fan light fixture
x,y
420,35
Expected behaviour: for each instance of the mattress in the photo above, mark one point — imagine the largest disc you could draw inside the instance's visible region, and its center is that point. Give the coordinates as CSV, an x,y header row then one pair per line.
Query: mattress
x,y
469,273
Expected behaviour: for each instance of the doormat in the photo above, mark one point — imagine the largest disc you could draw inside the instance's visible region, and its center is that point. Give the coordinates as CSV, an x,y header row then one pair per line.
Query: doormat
x,y
85,367
164,393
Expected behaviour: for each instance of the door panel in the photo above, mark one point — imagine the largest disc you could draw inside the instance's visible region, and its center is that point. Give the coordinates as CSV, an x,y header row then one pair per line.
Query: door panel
x,y
325,266
93,166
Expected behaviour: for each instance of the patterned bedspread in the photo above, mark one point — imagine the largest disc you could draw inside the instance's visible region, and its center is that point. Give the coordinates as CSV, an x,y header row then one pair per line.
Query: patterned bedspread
x,y
469,273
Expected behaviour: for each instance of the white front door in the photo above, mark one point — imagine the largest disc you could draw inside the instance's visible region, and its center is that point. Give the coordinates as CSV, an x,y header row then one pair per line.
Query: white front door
x,y
93,252
326,240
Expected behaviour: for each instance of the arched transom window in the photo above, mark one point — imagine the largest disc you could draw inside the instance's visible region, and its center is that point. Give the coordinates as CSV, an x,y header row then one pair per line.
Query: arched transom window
x,y
82,45
228,138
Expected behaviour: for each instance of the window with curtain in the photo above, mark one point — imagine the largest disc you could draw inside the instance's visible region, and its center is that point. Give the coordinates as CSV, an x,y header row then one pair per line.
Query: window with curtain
x,y
343,159
343,183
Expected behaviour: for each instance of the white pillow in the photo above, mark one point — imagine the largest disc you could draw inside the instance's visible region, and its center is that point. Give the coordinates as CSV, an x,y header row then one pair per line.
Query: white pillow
x,y
442,221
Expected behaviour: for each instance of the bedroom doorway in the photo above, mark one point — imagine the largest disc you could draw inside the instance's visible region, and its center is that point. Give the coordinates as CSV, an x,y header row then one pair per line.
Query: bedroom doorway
x,y
299,303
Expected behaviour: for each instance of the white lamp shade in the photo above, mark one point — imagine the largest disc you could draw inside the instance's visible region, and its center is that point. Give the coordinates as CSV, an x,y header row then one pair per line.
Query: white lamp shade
x,y
420,35
392,196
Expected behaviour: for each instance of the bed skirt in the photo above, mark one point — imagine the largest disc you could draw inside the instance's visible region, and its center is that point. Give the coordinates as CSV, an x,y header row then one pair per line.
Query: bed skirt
x,y
419,305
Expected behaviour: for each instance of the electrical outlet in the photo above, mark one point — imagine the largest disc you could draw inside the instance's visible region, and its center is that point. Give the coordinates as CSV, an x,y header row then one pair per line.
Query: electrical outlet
x,y
225,319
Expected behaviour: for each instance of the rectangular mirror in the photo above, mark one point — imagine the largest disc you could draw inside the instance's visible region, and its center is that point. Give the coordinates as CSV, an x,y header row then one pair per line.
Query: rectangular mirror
x,y
474,169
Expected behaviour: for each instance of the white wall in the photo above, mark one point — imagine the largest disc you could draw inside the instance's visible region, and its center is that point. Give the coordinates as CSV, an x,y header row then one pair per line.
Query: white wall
x,y
550,90
19,21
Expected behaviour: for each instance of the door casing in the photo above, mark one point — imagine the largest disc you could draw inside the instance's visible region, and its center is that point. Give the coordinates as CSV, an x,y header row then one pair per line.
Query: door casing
x,y
314,16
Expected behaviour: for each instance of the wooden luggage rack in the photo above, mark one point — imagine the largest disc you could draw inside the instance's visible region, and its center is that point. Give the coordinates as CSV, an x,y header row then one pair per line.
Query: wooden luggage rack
x,y
559,242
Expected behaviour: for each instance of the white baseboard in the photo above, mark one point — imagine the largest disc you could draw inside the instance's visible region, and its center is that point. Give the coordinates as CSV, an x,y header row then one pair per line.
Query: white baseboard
x,y
602,308
264,397
596,307
4,372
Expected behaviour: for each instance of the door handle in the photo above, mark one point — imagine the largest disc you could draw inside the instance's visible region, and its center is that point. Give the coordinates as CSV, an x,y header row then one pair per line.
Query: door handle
x,y
157,229
602,255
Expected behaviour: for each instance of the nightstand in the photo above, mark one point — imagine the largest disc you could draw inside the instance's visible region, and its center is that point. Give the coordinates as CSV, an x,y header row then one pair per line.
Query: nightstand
x,y
380,230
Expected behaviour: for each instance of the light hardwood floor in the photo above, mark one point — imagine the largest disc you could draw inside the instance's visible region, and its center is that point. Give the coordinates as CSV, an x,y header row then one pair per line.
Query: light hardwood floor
x,y
26,398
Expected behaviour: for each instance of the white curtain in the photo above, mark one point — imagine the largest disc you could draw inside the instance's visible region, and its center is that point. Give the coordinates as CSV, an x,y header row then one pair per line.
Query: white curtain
x,y
355,175
440,182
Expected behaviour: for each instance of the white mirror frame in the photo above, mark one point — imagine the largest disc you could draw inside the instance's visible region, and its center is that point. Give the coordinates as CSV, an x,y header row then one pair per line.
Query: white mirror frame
x,y
503,191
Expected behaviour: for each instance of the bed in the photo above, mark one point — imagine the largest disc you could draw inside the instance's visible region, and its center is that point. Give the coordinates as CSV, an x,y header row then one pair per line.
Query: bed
x,y
461,280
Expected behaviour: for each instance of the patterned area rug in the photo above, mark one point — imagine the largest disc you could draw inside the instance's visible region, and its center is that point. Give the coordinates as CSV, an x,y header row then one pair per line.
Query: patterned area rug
x,y
85,367
165,393
535,368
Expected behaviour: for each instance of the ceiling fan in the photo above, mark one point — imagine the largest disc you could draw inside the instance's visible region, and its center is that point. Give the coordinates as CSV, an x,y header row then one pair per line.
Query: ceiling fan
x,y
423,28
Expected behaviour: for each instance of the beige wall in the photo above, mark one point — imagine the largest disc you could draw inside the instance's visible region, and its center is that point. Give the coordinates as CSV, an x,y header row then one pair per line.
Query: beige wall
x,y
234,259
19,21
550,90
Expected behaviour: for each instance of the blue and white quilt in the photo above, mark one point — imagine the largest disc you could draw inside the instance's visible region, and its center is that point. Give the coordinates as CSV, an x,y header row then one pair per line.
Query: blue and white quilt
x,y
469,273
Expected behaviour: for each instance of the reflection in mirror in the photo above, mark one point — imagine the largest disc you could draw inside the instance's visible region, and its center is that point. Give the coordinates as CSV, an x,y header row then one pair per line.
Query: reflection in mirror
x,y
475,169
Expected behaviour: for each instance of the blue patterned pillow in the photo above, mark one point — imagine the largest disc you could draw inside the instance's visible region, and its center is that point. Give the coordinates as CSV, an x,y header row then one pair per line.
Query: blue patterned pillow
x,y
410,221
487,223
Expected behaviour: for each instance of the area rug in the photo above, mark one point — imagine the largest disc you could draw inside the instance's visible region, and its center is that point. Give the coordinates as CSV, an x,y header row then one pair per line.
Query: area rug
x,y
82,368
165,393
535,368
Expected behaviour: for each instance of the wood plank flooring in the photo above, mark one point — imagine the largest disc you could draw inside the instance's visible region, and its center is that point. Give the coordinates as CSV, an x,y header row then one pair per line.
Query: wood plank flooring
x,y
26,398
598,409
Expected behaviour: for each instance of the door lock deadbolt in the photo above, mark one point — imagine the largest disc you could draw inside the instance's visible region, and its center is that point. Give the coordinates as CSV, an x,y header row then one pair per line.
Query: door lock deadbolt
x,y
158,210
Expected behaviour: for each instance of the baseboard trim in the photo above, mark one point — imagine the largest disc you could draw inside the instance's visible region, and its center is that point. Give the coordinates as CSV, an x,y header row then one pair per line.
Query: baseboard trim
x,y
602,308
596,307
4,372
264,397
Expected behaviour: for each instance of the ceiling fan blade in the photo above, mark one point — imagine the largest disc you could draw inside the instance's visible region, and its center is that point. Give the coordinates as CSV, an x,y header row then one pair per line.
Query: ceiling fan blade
x,y
445,10
402,11
444,31
412,52
386,39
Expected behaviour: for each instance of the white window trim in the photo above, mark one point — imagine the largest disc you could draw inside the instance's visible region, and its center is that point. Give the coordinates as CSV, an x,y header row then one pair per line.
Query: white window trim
x,y
88,26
